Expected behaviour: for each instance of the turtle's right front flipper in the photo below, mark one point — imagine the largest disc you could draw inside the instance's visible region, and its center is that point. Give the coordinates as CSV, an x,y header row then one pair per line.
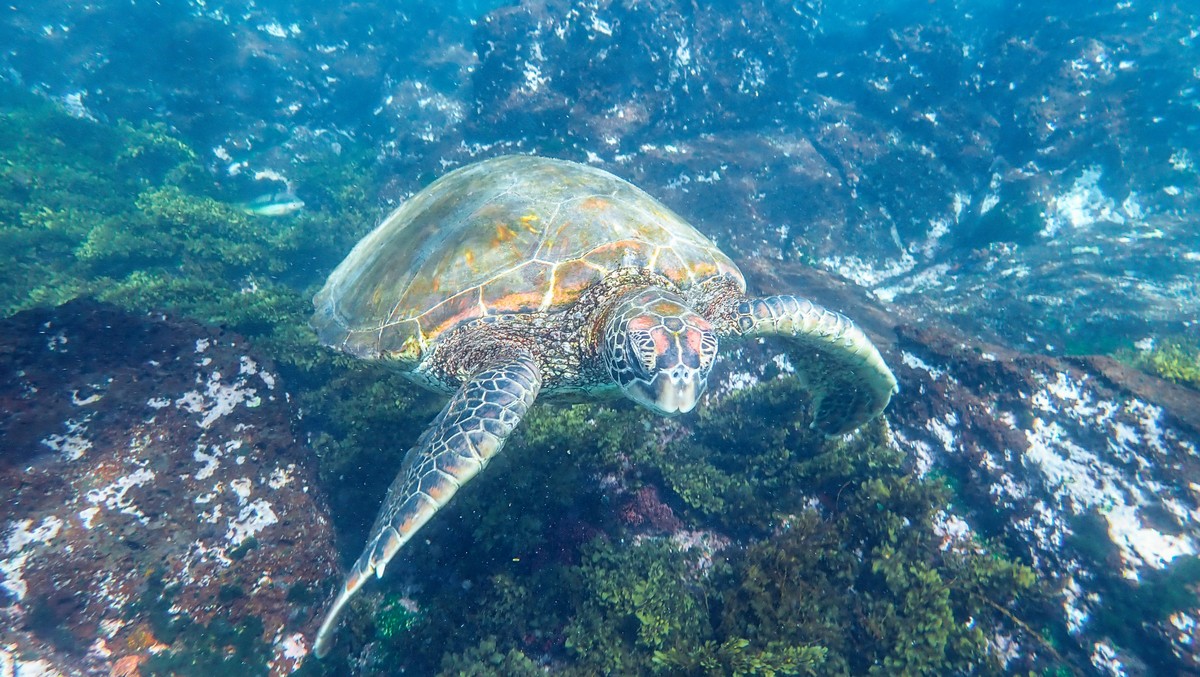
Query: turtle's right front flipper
x,y
469,431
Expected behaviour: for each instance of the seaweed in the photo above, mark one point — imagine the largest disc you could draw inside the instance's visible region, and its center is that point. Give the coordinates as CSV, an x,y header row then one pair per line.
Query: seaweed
x,y
1175,359
835,569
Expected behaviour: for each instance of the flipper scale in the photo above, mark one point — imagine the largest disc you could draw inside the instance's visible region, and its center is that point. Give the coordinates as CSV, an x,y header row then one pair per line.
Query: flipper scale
x,y
847,375
469,431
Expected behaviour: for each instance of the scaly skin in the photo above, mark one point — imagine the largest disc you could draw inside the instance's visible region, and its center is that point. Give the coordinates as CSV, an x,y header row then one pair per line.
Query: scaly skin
x,y
468,432
845,372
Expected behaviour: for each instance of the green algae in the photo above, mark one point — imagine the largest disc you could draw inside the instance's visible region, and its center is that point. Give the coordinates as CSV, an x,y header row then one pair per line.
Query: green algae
x,y
128,214
836,568
395,617
1174,359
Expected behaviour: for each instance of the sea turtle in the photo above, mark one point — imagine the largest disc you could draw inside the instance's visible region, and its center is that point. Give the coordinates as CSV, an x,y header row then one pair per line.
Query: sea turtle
x,y
519,276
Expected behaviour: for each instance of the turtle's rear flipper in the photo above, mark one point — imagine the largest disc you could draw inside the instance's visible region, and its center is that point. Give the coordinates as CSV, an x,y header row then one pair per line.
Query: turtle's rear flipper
x,y
849,381
469,431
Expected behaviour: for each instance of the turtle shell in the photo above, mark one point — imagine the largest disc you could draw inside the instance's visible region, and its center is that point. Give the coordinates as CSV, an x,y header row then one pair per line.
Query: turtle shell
x,y
513,234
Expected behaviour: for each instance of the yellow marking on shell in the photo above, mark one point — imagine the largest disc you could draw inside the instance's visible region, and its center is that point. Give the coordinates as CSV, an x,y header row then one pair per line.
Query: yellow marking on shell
x,y
664,308
410,350
548,297
594,203
503,234
469,257
704,269
528,220
377,296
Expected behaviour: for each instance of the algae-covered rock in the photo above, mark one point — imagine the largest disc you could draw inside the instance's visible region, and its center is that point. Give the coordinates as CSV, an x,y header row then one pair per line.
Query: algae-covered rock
x,y
159,515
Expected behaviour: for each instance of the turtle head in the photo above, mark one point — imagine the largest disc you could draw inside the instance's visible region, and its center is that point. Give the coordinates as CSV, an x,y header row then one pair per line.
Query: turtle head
x,y
659,351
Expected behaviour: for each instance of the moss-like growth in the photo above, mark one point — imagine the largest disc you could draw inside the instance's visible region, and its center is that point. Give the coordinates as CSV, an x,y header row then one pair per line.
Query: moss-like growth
x,y
737,657
1174,359
487,660
395,617
636,600
839,569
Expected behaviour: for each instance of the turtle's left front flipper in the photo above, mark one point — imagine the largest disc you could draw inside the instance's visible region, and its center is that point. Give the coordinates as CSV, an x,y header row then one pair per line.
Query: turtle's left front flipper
x,y
468,432
849,381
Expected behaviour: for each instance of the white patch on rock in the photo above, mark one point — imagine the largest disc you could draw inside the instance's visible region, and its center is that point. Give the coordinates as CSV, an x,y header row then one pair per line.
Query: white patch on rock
x,y
72,445
21,535
12,666
218,399
87,516
941,430
1104,659
210,463
1080,207
1081,479
1186,625
84,401
952,529
867,274
281,477
10,575
1077,613
784,364
241,487
250,520
294,647
113,496
914,362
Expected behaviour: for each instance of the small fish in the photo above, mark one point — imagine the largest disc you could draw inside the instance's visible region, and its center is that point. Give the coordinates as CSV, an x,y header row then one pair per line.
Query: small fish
x,y
273,204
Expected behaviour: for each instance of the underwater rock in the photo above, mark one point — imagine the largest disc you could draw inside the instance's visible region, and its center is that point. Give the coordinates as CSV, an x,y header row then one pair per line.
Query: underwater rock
x,y
955,158
614,75
157,507
1082,467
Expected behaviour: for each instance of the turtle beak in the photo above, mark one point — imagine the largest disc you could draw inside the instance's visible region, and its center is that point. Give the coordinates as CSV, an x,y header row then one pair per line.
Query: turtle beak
x,y
675,391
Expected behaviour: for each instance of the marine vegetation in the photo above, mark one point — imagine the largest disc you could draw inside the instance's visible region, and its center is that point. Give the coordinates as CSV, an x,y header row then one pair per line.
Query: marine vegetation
x,y
793,555
129,214
1174,359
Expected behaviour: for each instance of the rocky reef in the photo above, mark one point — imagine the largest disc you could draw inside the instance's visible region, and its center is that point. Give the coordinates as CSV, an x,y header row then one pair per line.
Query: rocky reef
x,y
157,516
1003,195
